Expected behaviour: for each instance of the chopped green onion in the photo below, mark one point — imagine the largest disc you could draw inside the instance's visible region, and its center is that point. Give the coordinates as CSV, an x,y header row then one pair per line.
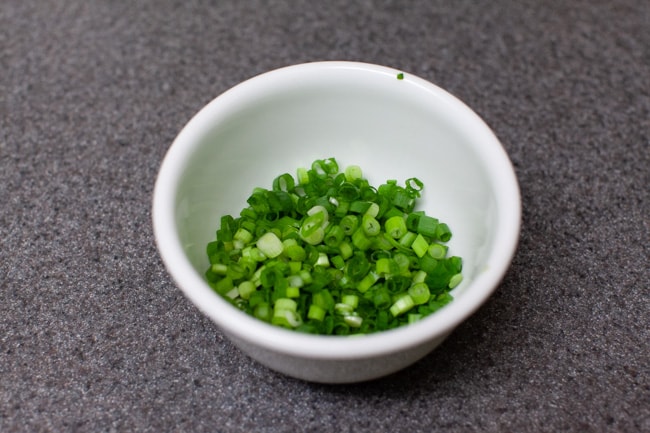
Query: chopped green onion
x,y
292,292
455,280
419,292
371,226
408,239
343,309
246,288
349,224
395,226
353,320
353,172
334,236
367,281
316,312
443,233
420,245
270,245
325,252
284,182
402,305
351,300
438,251
360,240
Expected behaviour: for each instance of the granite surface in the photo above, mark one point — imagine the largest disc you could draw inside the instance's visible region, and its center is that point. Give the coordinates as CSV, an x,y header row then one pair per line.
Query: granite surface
x,y
94,336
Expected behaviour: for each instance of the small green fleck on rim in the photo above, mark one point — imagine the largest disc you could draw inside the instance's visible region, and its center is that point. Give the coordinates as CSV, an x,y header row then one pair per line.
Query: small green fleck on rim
x,y
400,76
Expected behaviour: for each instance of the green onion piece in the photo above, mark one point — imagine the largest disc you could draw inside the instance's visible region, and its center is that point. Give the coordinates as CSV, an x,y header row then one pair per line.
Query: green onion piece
x,y
270,276
343,309
294,251
346,250
408,239
370,225
359,207
255,254
428,264
338,262
455,280
311,230
353,320
323,260
427,226
295,280
342,209
292,292
224,234
383,242
403,263
348,192
358,266
248,215
316,312
381,321
315,237
403,201
236,271
340,327
285,318
213,248
246,288
334,236
443,233
270,245
414,317
219,269
351,300
419,277
369,194
303,176
232,293
325,166
402,305
360,240
262,311
349,224
285,304
381,298
414,186
353,172
224,285
420,245
419,292
323,299
284,182
386,267
373,210
412,221
367,282
395,227
306,276
438,251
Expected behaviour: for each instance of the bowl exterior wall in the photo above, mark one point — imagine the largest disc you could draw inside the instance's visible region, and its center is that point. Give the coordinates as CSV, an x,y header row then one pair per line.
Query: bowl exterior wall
x,y
337,371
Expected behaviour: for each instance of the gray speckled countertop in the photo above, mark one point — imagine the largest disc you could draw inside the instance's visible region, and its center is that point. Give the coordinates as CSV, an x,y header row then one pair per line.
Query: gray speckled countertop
x,y
94,336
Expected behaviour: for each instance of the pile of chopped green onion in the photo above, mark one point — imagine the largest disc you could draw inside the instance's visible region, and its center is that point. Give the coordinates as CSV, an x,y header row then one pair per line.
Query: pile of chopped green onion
x,y
327,253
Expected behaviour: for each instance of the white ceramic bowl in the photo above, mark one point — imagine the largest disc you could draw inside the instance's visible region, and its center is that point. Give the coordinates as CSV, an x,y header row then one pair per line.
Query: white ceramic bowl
x,y
359,114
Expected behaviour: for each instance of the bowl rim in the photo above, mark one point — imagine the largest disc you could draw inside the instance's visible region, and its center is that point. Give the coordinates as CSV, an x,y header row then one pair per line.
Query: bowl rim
x,y
244,327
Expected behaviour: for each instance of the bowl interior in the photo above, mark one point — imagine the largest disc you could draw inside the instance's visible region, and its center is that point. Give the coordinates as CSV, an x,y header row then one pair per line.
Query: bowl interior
x,y
358,114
